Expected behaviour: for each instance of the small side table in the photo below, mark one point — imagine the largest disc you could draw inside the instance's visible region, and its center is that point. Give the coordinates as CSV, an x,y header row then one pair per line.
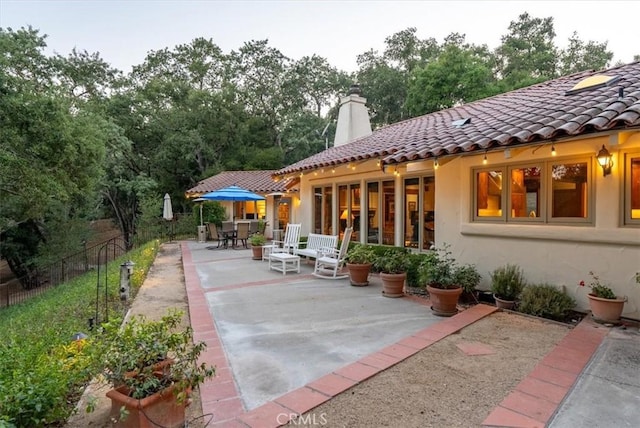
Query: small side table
x,y
284,262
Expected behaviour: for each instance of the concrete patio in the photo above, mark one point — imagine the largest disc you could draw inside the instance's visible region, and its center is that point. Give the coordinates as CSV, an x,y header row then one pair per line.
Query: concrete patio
x,y
285,344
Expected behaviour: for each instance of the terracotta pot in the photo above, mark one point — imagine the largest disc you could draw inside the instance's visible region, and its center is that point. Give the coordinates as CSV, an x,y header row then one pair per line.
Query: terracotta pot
x,y
359,273
504,304
393,284
257,252
444,302
159,409
606,310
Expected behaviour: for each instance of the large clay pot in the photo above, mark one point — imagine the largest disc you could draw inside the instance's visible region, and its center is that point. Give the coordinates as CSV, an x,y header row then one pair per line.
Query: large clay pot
x,y
393,284
359,273
162,408
606,310
504,304
444,302
257,252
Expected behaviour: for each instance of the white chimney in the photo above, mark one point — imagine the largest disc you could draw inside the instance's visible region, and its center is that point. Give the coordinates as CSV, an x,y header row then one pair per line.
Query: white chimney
x,y
353,118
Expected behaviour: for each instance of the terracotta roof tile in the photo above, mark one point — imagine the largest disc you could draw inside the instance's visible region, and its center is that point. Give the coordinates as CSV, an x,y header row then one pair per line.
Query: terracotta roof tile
x,y
255,181
524,116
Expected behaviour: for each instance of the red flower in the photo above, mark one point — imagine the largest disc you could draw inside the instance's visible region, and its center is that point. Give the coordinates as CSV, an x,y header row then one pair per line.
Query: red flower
x,y
581,283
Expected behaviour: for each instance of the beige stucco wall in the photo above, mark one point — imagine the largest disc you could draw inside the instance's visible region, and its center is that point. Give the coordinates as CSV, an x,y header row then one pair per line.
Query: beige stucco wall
x,y
557,254
561,255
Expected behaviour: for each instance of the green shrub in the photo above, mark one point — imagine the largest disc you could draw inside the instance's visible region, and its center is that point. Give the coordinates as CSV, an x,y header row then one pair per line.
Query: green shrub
x,y
546,301
42,372
507,282
413,272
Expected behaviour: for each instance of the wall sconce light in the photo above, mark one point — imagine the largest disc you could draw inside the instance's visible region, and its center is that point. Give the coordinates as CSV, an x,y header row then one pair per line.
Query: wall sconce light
x,y
484,160
605,160
435,163
333,170
553,150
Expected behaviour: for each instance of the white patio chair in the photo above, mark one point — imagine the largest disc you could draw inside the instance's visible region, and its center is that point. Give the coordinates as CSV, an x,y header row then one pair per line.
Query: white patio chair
x,y
330,261
289,243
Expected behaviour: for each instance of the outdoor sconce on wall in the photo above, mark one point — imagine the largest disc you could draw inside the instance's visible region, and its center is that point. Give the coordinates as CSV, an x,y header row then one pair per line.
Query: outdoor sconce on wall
x,y
605,160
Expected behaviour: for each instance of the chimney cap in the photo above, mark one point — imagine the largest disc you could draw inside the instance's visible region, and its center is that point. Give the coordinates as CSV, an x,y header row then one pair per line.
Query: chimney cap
x,y
354,89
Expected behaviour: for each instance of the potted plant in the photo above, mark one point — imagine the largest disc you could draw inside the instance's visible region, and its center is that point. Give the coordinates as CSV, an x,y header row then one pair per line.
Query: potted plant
x,y
359,261
392,265
507,282
257,240
446,280
605,306
152,366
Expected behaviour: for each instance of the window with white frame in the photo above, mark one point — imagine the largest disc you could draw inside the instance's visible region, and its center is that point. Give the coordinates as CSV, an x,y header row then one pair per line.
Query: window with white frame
x,y
555,191
632,188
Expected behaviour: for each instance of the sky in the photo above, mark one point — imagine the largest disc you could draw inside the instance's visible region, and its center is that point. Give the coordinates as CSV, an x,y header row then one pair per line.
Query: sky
x,y
123,32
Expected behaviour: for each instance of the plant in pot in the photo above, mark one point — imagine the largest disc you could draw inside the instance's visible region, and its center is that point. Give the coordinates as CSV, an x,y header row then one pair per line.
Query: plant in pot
x,y
507,282
393,265
152,366
360,258
257,240
446,280
605,306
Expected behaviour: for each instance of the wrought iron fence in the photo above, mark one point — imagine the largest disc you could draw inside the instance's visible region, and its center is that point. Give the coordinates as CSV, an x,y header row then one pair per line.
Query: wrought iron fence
x,y
44,278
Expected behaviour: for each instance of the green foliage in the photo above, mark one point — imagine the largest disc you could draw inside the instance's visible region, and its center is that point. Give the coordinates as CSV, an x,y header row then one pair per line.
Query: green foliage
x,y
361,254
413,272
213,212
41,371
507,282
257,240
547,301
599,289
461,73
440,270
128,355
394,260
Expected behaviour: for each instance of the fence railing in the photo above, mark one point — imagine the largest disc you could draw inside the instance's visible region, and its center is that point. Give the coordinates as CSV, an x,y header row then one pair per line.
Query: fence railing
x,y
43,279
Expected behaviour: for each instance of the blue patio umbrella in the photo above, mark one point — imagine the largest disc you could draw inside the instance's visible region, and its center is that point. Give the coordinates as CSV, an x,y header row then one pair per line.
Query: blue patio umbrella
x,y
232,193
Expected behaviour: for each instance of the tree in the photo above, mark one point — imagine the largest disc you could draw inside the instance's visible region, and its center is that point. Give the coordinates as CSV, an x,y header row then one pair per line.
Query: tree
x,y
527,53
580,56
50,153
460,74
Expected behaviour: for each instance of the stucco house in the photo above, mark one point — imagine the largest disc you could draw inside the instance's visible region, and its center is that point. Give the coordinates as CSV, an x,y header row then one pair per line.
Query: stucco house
x,y
276,209
515,178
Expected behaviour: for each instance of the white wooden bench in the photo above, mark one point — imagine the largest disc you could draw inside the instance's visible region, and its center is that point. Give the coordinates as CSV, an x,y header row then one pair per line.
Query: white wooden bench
x,y
316,242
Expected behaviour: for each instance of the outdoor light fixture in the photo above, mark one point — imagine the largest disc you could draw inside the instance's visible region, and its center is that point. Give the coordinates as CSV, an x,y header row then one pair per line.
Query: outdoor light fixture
x,y
435,163
484,160
605,160
553,150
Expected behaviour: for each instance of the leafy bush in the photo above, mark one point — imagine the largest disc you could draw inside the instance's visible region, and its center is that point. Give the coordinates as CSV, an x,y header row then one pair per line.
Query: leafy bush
x,y
507,282
42,372
361,254
546,301
413,272
394,260
441,270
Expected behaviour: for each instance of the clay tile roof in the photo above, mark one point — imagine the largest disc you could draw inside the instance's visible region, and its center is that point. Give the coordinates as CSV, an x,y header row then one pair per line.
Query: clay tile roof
x,y
255,181
525,116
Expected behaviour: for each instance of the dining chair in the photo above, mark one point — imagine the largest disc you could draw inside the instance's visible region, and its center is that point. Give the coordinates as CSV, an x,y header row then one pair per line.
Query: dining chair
x,y
214,235
242,234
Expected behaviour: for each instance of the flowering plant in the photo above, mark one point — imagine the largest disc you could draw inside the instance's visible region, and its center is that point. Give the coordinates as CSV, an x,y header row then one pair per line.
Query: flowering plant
x,y
599,290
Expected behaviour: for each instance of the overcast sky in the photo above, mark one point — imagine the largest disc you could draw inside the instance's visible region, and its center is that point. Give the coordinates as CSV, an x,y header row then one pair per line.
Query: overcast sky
x,y
124,31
